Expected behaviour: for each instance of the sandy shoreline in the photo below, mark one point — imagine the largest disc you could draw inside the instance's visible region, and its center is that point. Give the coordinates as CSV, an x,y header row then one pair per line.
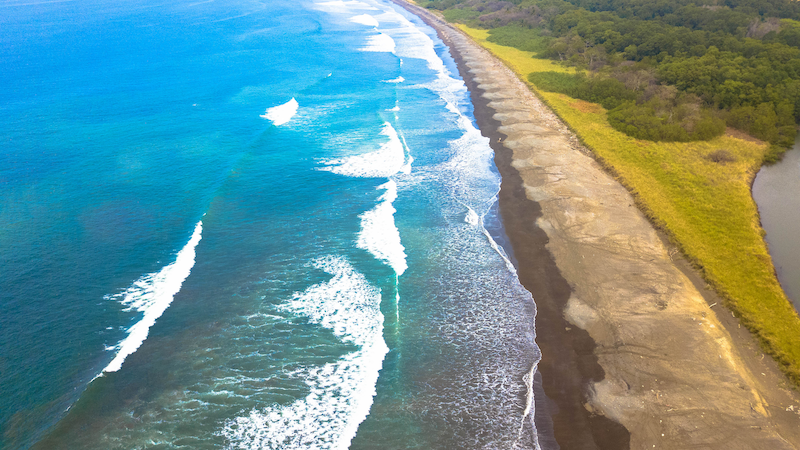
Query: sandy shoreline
x,y
634,356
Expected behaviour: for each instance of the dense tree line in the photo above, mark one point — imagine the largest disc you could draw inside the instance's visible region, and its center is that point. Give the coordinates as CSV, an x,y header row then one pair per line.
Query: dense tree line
x,y
674,70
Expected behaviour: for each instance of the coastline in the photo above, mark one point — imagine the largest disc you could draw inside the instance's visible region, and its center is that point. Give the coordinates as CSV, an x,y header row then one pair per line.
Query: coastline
x,y
635,351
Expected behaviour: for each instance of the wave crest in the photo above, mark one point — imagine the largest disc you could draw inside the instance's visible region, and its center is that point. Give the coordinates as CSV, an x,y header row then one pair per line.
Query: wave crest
x,y
341,393
379,234
365,19
281,114
152,294
383,163
380,42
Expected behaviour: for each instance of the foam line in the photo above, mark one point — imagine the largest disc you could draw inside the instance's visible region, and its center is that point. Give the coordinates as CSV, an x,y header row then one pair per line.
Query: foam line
x,y
379,235
346,5
382,43
341,392
383,163
468,174
472,217
397,305
281,114
365,19
499,250
530,408
406,169
152,294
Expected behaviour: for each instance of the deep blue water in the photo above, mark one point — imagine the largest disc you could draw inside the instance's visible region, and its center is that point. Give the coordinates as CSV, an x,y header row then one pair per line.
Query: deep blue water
x,y
190,259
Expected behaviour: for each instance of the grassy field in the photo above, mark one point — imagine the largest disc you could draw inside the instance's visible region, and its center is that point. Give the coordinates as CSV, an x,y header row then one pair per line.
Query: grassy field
x,y
704,206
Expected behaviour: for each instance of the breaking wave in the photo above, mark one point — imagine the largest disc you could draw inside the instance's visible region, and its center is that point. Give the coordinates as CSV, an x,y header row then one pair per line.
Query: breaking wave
x,y
382,163
379,235
281,114
340,393
152,294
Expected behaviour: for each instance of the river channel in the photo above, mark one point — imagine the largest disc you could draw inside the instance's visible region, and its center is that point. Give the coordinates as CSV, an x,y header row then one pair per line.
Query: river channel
x,y
776,191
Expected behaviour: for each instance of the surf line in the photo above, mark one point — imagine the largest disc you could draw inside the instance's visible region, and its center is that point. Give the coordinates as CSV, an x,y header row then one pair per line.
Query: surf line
x,y
341,392
281,114
379,234
152,294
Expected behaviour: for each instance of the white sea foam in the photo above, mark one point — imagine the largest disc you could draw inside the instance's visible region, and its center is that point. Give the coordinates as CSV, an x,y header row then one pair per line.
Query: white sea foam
x,y
473,183
382,163
412,42
379,43
379,235
469,171
406,169
500,251
281,114
472,217
341,393
365,19
344,5
396,80
530,407
152,294
470,148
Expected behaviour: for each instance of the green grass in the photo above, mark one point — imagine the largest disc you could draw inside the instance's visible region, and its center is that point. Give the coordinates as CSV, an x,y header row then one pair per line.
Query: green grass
x,y
705,207
521,62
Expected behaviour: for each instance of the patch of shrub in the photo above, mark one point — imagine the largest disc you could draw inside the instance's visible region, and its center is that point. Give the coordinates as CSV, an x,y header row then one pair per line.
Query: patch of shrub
x,y
774,124
721,156
523,38
647,122
460,15
608,92
563,83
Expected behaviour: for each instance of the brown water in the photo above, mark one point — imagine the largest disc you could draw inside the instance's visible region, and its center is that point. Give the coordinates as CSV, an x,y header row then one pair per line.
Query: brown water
x,y
776,190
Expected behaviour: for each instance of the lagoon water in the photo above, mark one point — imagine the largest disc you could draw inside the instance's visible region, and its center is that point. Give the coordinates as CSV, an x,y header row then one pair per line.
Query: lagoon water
x,y
250,225
776,190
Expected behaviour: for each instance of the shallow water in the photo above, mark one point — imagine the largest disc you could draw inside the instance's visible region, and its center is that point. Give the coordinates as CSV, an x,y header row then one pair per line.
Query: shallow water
x,y
250,225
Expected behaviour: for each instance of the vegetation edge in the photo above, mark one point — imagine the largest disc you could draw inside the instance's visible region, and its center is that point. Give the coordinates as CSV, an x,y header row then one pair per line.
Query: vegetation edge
x,y
789,366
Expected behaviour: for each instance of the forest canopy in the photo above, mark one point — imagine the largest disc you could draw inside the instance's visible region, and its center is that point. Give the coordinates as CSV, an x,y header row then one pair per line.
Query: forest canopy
x,y
675,70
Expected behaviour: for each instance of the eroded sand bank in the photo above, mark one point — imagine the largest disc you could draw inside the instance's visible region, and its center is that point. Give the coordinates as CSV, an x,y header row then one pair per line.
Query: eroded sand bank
x,y
633,356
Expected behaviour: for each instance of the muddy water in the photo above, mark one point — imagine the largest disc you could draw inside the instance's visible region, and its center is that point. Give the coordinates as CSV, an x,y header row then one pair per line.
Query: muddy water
x,y
776,190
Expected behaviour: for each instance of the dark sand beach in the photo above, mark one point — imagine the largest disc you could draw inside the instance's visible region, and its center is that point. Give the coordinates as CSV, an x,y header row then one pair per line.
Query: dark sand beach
x,y
637,352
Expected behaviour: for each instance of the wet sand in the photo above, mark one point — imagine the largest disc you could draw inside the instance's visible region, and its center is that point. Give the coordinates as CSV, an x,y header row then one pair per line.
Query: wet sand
x,y
634,352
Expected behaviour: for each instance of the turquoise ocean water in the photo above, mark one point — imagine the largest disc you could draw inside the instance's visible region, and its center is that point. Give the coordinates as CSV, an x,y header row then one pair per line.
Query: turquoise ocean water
x,y
249,225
